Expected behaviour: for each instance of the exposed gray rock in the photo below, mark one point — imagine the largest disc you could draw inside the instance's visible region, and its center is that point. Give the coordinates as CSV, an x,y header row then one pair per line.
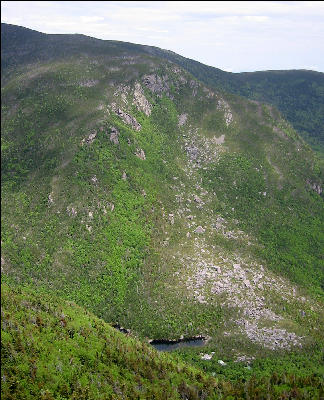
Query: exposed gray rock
x,y
315,186
140,100
246,283
176,69
198,199
156,84
182,119
122,89
50,199
194,86
94,179
192,152
72,212
140,154
114,135
209,93
219,140
90,138
127,118
223,105
171,219
207,356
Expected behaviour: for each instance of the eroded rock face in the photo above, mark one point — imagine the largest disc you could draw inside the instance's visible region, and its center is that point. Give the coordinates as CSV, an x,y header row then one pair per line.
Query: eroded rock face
x,y
182,119
140,154
114,135
127,118
72,212
200,229
94,179
155,83
194,86
219,140
90,138
50,199
315,186
223,105
209,93
140,100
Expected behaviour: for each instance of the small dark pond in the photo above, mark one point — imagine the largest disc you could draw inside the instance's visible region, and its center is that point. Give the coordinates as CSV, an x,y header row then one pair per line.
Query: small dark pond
x,y
169,345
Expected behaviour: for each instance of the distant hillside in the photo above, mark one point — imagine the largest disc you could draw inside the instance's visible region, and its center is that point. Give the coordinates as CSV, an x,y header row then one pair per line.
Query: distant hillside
x,y
298,94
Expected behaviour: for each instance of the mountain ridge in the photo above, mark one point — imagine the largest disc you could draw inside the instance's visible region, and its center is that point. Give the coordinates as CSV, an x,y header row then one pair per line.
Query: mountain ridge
x,y
286,89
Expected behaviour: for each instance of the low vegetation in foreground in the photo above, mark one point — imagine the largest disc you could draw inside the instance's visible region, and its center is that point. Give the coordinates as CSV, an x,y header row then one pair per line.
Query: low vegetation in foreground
x,y
52,349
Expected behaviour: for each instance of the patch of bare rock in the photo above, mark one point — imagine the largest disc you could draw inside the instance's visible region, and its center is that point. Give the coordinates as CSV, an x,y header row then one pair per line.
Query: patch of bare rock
x,y
156,84
127,118
114,134
140,100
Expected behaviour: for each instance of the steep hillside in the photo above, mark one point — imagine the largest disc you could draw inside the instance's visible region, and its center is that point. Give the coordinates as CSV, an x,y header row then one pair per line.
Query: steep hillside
x,y
56,350
51,349
162,205
299,95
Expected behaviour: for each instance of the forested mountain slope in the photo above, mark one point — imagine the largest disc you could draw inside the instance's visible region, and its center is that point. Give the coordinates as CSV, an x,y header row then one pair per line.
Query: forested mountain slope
x,y
298,94
161,204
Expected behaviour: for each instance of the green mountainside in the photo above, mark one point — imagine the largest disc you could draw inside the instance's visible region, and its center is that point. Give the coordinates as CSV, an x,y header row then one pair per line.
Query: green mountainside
x,y
162,205
298,94
56,350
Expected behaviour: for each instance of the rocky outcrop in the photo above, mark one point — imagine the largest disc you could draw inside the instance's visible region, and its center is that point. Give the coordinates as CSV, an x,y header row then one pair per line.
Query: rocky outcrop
x,y
94,179
223,105
194,86
209,93
171,219
156,84
140,154
127,118
140,100
89,139
315,186
182,119
114,135
72,212
219,140
50,199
